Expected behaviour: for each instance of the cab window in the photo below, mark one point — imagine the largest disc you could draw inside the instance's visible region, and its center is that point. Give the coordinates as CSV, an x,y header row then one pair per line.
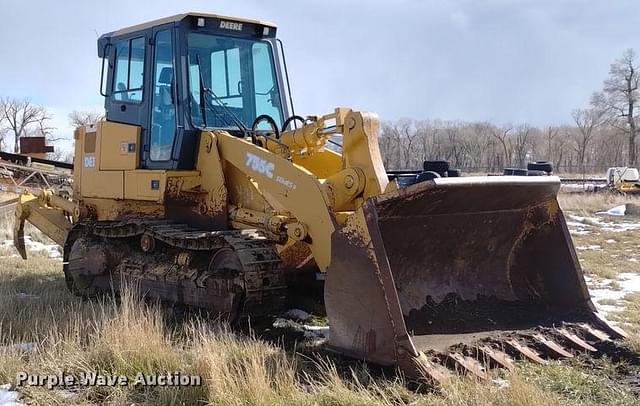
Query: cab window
x,y
163,116
128,76
226,79
231,80
264,80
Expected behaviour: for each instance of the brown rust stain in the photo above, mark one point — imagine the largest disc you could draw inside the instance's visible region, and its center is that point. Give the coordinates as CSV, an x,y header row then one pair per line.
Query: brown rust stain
x,y
296,254
364,341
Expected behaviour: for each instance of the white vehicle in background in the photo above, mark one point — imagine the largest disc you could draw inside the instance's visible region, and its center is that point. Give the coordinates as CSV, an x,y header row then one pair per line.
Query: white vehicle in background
x,y
624,179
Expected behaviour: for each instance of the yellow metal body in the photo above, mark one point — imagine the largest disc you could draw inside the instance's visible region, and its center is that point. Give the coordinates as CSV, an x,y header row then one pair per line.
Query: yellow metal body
x,y
293,189
623,186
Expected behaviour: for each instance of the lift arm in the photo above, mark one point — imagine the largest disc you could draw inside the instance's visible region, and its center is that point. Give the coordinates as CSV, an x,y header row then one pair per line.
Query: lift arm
x,y
317,205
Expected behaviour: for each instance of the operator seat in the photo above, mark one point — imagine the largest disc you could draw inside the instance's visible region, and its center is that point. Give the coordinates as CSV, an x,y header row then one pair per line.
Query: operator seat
x,y
164,119
165,81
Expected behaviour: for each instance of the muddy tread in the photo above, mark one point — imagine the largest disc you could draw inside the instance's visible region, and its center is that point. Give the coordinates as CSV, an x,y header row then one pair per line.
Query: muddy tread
x,y
262,278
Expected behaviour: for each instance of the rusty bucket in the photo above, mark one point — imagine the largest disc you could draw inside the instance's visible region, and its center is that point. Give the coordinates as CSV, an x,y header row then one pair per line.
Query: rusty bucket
x,y
451,262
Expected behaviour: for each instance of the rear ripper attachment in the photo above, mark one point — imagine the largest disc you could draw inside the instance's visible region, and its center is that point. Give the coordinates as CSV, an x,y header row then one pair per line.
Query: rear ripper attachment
x,y
231,273
460,274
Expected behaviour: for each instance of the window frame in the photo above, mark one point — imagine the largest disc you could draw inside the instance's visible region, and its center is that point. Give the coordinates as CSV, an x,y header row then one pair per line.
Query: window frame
x,y
275,73
114,91
274,78
154,66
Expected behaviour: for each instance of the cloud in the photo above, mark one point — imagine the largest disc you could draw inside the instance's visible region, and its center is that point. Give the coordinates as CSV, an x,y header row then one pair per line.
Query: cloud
x,y
507,61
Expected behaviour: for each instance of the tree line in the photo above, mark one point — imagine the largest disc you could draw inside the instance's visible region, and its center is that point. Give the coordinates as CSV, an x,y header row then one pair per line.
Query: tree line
x,y
598,136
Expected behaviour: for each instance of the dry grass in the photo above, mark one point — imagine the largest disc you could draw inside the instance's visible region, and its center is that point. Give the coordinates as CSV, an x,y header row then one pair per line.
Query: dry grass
x,y
132,336
618,252
629,317
589,203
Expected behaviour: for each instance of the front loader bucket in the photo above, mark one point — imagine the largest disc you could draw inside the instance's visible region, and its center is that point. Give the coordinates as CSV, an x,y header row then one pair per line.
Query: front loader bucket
x,y
455,261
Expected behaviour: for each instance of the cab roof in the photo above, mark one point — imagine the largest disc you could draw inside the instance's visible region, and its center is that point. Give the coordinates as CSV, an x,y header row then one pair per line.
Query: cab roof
x,y
180,17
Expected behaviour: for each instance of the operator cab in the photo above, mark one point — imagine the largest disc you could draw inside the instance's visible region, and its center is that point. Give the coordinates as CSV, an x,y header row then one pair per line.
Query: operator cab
x,y
179,75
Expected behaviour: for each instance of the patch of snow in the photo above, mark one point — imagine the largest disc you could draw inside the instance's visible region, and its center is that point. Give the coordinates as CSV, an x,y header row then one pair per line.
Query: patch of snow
x,y
610,241
502,383
297,314
52,250
579,232
633,259
24,347
581,219
589,248
603,224
578,227
316,332
9,397
615,211
288,324
620,227
310,332
597,295
607,308
629,283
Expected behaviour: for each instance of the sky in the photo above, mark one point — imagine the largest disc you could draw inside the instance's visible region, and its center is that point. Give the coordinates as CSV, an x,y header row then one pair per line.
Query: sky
x,y
505,61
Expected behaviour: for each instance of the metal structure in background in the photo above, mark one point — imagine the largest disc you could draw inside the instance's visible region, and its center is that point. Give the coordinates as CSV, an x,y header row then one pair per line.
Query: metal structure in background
x,y
20,173
35,147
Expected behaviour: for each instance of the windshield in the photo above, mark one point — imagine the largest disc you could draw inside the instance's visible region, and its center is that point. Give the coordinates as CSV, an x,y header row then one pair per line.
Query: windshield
x,y
239,73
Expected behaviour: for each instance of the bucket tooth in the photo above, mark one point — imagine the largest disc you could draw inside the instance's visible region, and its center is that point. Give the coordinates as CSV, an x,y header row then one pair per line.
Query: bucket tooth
x,y
431,370
525,351
575,341
467,364
551,346
614,331
495,357
594,332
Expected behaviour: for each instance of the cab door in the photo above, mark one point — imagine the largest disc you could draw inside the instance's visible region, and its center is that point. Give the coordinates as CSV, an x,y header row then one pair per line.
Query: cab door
x,y
160,144
127,101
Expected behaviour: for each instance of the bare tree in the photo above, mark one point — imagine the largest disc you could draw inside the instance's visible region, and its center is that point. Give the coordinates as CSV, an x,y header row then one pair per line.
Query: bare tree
x,y
501,135
619,96
61,155
392,145
22,118
83,118
3,130
587,122
410,134
478,142
520,142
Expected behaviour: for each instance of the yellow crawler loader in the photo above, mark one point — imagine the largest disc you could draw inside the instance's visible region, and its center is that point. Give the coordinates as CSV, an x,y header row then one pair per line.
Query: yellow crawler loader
x,y
202,186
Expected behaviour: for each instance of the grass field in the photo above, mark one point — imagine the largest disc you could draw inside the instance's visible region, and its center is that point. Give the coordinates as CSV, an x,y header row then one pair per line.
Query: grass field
x,y
45,330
